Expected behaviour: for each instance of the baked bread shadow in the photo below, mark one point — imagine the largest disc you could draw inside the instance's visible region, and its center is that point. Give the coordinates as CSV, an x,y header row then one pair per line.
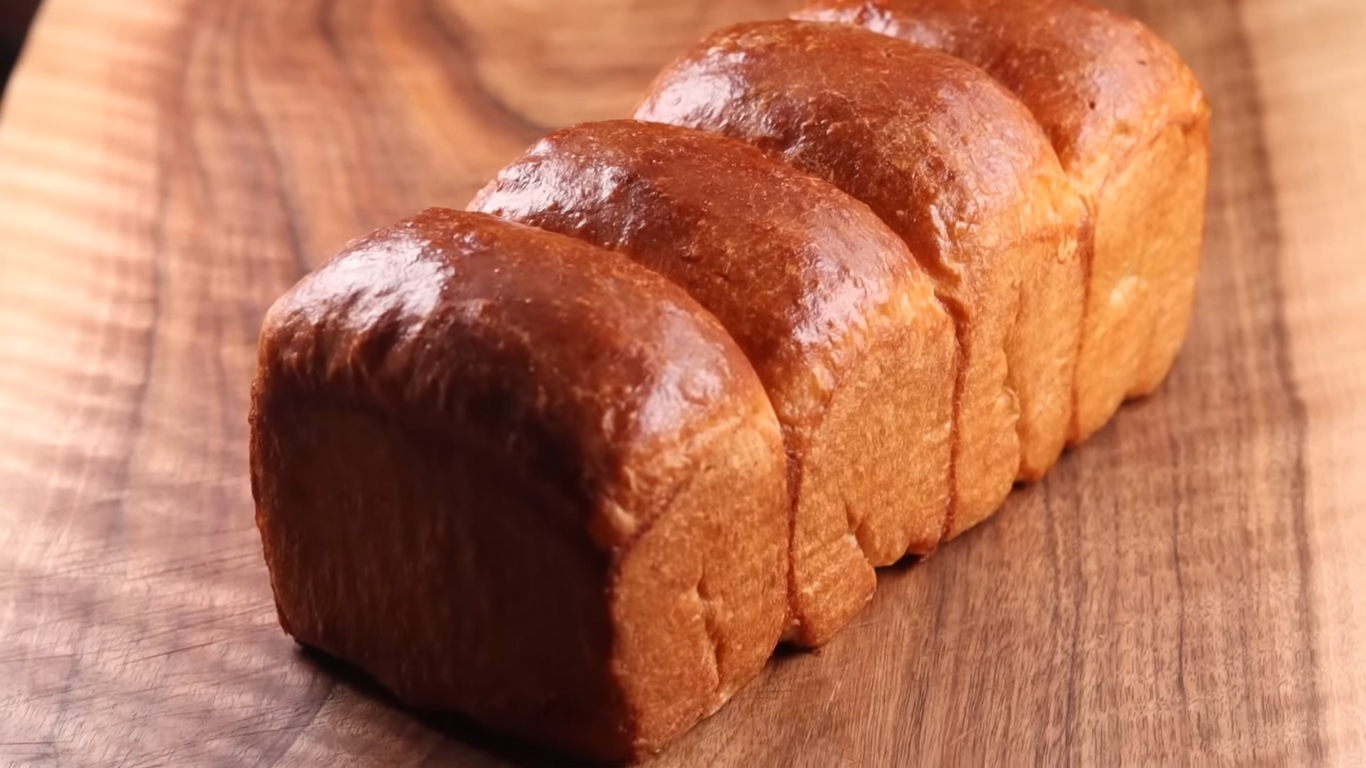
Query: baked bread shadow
x,y
464,736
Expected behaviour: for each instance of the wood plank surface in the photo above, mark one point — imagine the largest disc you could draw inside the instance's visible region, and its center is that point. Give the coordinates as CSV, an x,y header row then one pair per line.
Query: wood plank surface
x,y
1188,588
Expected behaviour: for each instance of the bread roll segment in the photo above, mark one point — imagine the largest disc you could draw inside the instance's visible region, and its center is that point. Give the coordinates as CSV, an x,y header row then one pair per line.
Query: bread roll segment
x,y
512,475
957,167
1130,125
840,323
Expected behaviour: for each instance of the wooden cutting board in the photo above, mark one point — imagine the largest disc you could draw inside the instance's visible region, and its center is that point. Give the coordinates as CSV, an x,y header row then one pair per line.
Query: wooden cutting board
x,y
1189,587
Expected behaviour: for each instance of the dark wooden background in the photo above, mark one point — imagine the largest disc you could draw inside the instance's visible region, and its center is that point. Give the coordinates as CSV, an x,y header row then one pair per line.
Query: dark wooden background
x,y
1189,588
15,16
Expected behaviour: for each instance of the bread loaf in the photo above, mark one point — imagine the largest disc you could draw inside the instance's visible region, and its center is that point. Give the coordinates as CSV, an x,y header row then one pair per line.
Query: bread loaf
x,y
512,475
839,321
1131,127
957,167
822,308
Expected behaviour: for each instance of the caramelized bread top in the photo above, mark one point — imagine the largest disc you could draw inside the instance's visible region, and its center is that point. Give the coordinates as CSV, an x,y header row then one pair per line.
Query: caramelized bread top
x,y
803,275
1100,83
946,156
598,373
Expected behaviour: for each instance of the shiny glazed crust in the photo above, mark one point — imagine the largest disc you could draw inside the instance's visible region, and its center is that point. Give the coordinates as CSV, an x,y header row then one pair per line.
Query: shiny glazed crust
x,y
957,167
577,487
1131,126
511,475
839,321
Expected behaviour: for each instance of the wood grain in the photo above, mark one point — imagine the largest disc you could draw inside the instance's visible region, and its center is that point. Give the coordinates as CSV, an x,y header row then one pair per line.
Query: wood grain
x,y
1188,588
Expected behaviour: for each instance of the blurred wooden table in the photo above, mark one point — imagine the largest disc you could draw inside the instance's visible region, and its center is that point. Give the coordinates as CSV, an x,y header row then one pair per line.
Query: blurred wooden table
x,y
1191,587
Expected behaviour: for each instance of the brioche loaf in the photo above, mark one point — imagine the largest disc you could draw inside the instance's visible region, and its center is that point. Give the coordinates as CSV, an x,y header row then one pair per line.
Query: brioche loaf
x,y
577,483
512,475
1131,127
958,168
840,323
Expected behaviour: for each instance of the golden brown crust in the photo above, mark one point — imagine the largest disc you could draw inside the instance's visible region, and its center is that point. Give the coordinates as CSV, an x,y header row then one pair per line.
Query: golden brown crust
x,y
1129,123
958,168
1166,183
467,438
827,303
1100,83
